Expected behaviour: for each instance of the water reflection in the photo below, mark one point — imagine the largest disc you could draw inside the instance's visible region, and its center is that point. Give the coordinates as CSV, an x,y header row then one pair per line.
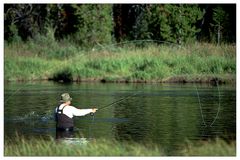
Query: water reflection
x,y
77,141
163,114
137,127
72,137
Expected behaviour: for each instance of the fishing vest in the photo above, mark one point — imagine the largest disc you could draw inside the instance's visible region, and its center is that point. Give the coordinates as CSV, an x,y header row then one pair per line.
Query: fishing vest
x,y
63,121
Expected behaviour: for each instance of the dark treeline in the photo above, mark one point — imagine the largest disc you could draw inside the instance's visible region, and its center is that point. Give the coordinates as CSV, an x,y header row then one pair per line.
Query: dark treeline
x,y
98,24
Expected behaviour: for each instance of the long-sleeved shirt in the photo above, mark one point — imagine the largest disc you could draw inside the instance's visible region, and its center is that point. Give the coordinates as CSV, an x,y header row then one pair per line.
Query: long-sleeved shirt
x,y
71,111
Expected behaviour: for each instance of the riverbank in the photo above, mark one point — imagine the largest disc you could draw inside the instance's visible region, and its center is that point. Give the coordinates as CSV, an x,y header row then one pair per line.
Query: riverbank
x,y
155,64
100,147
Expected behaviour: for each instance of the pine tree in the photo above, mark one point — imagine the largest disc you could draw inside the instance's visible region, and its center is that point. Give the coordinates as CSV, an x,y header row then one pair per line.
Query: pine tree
x,y
174,22
220,21
94,24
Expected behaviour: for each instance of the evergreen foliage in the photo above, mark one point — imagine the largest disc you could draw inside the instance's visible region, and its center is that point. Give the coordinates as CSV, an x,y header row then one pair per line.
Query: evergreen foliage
x,y
91,25
220,21
174,23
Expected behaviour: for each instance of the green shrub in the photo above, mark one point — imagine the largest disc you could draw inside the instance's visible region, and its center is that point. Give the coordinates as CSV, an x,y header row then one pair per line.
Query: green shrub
x,y
150,63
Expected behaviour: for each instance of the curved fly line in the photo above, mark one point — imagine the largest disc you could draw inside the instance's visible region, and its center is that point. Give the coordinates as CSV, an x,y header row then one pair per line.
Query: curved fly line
x,y
200,107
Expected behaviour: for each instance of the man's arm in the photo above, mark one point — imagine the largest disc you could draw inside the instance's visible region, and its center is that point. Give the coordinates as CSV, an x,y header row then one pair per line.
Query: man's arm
x,y
83,112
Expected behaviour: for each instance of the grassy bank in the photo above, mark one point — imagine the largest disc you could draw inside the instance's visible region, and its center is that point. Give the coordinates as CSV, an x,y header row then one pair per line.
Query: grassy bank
x,y
40,147
210,148
152,63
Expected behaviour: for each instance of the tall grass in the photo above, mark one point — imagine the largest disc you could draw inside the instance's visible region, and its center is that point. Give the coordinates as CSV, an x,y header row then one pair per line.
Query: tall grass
x,y
151,63
101,147
217,147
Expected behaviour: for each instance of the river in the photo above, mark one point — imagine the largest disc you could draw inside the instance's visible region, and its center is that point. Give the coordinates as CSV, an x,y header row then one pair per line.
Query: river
x,y
164,114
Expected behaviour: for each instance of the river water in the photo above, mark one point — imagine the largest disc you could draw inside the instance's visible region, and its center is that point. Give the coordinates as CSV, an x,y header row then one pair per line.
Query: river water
x,y
163,114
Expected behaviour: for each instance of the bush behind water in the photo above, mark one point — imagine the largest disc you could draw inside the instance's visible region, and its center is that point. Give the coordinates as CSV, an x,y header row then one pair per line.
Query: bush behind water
x,y
153,62
47,46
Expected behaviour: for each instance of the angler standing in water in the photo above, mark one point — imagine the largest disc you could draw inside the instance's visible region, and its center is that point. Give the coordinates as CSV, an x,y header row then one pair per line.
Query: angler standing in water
x,y
64,114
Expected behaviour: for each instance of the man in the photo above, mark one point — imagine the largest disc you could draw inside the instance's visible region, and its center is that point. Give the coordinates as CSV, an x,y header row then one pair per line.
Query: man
x,y
64,114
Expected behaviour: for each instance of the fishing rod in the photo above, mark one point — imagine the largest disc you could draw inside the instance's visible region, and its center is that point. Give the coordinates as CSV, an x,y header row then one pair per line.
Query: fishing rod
x,y
15,92
120,100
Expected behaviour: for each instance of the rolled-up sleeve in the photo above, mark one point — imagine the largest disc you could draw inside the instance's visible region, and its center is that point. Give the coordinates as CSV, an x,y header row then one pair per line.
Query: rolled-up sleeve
x,y
81,112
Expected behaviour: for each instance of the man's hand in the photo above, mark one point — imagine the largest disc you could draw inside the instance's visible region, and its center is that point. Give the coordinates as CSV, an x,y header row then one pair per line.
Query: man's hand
x,y
94,110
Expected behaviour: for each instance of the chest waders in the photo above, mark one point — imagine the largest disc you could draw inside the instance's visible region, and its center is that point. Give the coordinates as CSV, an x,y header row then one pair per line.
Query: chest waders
x,y
64,122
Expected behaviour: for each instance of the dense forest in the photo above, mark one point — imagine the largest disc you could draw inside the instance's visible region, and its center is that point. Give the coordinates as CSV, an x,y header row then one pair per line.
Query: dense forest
x,y
87,25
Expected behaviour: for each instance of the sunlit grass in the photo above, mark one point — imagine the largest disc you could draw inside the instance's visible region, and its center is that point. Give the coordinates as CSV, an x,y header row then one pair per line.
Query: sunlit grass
x,y
210,148
21,146
101,147
151,63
